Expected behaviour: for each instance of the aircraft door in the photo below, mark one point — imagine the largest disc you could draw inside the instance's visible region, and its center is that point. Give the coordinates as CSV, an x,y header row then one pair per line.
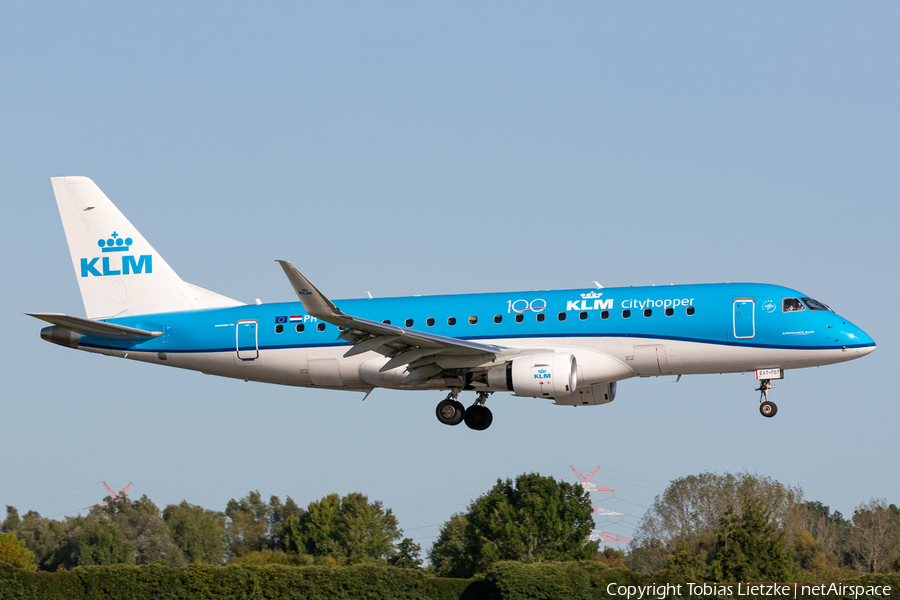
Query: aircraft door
x,y
744,318
247,340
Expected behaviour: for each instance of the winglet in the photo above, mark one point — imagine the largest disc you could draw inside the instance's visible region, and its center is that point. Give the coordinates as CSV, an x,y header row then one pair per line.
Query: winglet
x,y
314,302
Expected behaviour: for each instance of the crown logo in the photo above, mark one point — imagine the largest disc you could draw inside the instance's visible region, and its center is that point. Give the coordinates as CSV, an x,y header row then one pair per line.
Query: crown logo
x,y
542,370
591,295
115,243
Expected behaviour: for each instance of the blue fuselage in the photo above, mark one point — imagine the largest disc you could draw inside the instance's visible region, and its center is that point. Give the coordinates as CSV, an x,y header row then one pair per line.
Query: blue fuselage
x,y
748,315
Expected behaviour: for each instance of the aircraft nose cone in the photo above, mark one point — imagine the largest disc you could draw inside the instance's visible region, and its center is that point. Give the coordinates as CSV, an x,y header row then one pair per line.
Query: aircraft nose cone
x,y
863,342
865,338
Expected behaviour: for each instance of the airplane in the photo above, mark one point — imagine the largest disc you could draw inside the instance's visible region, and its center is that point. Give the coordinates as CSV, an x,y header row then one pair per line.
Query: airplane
x,y
569,346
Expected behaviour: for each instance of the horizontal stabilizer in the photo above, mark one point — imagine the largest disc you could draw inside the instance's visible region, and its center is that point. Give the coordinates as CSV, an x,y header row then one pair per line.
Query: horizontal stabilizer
x,y
95,328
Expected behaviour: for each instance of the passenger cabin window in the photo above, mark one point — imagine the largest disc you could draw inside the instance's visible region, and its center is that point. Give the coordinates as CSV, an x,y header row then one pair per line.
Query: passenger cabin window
x,y
473,319
320,327
583,315
520,317
604,314
648,312
409,322
814,304
300,327
279,328
498,318
670,311
626,313
387,321
561,316
429,321
689,311
540,317
792,305
451,321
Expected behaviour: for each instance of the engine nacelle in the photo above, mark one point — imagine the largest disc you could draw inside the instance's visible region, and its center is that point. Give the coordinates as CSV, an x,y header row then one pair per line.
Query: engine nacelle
x,y
544,375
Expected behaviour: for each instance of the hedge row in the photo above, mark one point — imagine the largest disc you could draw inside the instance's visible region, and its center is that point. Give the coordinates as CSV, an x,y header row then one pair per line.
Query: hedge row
x,y
159,582
588,580
504,581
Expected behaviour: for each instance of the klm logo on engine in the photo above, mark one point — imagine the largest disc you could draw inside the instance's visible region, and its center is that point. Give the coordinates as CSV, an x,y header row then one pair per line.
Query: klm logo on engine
x,y
128,264
542,374
590,301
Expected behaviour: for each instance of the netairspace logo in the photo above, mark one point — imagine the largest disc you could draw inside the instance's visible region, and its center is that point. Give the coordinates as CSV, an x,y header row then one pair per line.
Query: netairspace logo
x,y
750,590
127,265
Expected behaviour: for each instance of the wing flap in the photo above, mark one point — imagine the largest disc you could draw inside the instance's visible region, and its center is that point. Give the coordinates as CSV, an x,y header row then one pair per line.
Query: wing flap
x,y
401,345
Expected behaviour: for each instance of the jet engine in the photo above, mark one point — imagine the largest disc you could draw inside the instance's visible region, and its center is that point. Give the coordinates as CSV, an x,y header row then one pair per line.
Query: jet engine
x,y
544,375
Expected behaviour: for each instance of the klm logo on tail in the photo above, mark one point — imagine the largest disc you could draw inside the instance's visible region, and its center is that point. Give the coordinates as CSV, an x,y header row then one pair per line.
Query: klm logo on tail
x,y
127,266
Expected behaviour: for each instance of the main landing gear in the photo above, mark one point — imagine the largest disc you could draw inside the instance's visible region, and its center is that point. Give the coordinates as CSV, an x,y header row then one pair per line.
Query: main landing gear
x,y
451,412
767,408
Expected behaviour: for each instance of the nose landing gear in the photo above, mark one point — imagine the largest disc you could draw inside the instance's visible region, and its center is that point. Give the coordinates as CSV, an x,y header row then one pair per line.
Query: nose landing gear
x,y
451,412
767,408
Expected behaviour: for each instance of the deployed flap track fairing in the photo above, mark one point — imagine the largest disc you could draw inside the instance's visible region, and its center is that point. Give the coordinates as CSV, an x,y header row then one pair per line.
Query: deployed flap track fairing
x,y
568,346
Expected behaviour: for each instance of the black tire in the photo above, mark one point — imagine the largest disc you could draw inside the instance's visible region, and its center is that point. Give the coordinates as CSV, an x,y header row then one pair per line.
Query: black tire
x,y
489,418
450,412
460,412
768,409
478,417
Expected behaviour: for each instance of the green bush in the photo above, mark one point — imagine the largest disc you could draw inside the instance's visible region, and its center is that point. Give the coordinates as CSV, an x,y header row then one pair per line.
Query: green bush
x,y
506,580
159,582
575,580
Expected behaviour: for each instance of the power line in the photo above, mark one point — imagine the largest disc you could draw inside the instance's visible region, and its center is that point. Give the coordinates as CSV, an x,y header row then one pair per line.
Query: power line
x,y
422,527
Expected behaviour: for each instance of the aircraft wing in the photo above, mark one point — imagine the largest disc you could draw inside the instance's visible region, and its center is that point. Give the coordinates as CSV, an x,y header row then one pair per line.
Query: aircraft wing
x,y
425,353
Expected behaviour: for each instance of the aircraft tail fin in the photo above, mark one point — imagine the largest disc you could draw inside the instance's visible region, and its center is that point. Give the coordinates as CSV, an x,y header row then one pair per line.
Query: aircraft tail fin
x,y
118,271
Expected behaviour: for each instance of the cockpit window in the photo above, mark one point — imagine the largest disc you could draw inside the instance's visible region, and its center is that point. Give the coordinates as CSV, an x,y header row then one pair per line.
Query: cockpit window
x,y
791,305
814,304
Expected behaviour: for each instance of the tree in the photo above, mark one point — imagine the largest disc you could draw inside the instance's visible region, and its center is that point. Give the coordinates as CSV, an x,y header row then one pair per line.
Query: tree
x,y
13,551
51,541
690,509
12,520
407,555
874,536
532,520
448,554
611,557
349,528
827,528
198,532
750,547
100,542
683,561
248,525
280,513
140,523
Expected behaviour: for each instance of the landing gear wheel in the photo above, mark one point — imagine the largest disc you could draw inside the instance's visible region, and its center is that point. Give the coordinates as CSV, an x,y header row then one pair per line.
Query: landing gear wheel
x,y
450,412
478,417
768,409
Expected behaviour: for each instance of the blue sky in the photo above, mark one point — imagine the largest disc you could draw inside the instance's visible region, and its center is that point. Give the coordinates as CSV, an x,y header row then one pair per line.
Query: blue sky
x,y
409,148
